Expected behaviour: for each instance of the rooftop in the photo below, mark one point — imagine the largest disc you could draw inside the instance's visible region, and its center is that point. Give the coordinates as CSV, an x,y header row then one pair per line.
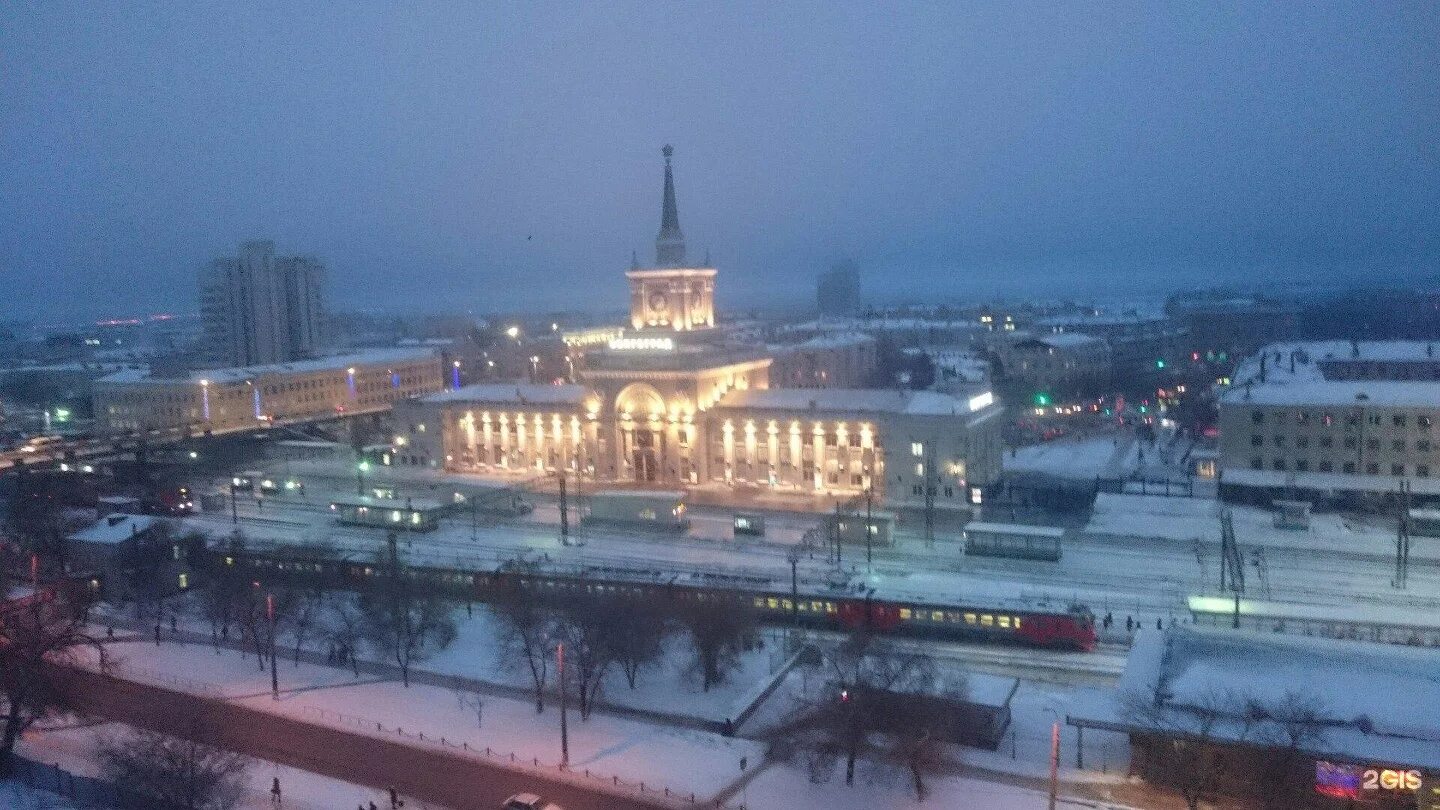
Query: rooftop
x,y
112,529
1295,373
1263,686
915,403
513,393
338,362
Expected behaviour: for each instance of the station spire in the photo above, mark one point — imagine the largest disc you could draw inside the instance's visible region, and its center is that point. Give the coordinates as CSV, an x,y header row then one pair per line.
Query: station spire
x,y
670,244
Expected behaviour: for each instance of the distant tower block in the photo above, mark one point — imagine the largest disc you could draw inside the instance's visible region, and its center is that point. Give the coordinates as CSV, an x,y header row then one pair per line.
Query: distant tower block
x,y
672,295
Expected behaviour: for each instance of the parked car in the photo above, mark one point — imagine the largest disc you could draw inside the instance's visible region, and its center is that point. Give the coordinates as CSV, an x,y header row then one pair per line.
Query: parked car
x,y
528,801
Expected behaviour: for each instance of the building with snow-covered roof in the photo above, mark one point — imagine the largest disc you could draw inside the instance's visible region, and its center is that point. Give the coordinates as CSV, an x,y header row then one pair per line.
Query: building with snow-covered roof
x,y
1140,343
1332,421
1055,364
250,397
110,548
672,400
1304,722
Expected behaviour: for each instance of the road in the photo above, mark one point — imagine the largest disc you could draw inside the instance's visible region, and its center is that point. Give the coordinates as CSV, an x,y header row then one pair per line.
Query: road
x,y
459,781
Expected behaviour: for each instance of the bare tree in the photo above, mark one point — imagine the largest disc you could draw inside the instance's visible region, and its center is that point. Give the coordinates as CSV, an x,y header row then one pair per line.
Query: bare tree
x,y
878,703
345,629
180,771
402,620
635,634
303,616
526,628
226,587
1284,728
590,625
40,634
719,632
1190,758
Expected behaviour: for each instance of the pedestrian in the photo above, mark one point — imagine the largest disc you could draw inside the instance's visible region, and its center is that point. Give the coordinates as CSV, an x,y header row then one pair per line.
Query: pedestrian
x,y
1158,625
110,631
275,792
1129,624
174,624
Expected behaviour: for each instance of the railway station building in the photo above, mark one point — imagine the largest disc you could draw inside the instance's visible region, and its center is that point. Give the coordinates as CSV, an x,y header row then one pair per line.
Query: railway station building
x,y
673,400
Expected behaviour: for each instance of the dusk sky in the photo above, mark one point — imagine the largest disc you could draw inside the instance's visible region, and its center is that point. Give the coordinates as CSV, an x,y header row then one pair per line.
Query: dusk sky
x,y
485,156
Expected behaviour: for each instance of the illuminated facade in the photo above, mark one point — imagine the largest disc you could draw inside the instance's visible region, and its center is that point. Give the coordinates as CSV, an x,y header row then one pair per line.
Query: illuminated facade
x,y
226,399
664,404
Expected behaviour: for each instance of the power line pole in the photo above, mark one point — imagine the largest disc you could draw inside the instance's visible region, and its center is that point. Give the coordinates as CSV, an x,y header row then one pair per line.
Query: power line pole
x,y
1402,537
564,727
564,512
274,673
869,530
929,479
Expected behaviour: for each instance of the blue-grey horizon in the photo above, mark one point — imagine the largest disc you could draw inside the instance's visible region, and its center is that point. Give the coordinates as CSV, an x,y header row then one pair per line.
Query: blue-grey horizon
x,y
484,157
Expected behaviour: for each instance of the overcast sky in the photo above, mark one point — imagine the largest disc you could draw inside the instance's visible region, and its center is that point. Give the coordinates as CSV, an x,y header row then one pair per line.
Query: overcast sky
x,y
485,156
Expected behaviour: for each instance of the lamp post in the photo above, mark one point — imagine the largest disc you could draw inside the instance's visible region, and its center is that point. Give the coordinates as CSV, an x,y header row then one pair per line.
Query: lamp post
x,y
564,727
869,529
234,514
792,556
274,674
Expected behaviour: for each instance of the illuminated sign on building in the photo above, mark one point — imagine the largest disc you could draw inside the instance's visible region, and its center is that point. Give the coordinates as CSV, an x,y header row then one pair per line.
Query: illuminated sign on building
x,y
643,344
1364,784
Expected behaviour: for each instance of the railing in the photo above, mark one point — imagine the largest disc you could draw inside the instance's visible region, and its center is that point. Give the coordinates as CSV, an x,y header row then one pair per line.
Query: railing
x,y
87,791
505,758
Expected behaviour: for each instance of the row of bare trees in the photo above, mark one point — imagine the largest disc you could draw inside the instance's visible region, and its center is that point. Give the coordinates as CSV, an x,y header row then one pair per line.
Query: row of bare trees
x,y
607,629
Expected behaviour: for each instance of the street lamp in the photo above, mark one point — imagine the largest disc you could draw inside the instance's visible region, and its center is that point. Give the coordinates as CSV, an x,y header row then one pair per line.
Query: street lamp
x,y
360,470
792,556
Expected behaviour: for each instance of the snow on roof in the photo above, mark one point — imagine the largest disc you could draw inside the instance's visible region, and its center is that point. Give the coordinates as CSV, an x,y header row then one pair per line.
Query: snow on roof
x,y
1337,482
1101,319
915,403
236,374
513,393
1295,373
1264,684
1015,529
112,529
834,340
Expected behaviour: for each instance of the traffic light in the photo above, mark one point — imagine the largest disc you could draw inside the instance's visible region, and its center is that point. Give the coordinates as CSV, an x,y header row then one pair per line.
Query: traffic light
x,y
1159,363
1042,399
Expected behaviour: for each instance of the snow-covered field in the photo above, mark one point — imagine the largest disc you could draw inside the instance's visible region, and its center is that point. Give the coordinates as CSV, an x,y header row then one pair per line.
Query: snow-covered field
x,y
73,747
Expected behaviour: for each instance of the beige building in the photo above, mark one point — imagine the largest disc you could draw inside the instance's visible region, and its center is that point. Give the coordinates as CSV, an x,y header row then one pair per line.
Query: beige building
x,y
1328,419
669,404
227,399
1058,365
825,361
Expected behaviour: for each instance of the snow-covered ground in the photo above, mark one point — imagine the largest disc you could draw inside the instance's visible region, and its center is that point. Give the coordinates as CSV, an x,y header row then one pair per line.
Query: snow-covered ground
x,y
73,747
15,796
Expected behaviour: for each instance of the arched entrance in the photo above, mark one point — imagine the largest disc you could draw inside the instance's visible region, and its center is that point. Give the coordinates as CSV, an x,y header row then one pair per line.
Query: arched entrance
x,y
638,410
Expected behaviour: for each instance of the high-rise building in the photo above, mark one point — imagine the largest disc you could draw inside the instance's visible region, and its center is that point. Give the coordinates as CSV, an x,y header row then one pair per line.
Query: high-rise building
x,y
837,292
261,308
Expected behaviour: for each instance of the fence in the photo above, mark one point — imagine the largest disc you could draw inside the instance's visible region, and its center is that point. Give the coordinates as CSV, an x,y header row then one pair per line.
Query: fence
x,y
85,791
510,758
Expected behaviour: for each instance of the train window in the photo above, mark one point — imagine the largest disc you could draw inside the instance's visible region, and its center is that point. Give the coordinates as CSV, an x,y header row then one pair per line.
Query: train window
x,y
1005,621
785,603
937,615
986,620
829,607
229,560
952,617
905,614
818,607
969,618
772,603
759,602
1017,622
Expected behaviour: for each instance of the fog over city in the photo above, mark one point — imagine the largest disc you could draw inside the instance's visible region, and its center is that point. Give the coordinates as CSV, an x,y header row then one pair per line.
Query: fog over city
x,y
490,156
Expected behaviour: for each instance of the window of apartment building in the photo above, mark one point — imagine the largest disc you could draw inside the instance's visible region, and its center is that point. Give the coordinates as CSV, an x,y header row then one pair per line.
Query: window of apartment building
x,y
1423,445
1372,469
1326,441
1279,440
1349,467
1278,464
1374,419
1326,466
1350,443
1258,417
1398,445
1328,419
1424,420
1372,444
1301,465
1302,418
1422,470
1351,420
1399,419
949,491
1256,463
1302,441
916,490
917,449
1397,469
1256,440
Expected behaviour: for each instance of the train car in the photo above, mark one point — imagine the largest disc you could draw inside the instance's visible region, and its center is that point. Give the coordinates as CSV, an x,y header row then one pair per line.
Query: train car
x,y
851,528
665,511
1009,621
1013,541
410,514
1385,625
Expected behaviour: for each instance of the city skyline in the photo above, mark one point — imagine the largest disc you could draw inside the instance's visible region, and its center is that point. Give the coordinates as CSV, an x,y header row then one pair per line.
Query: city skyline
x,y
456,159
